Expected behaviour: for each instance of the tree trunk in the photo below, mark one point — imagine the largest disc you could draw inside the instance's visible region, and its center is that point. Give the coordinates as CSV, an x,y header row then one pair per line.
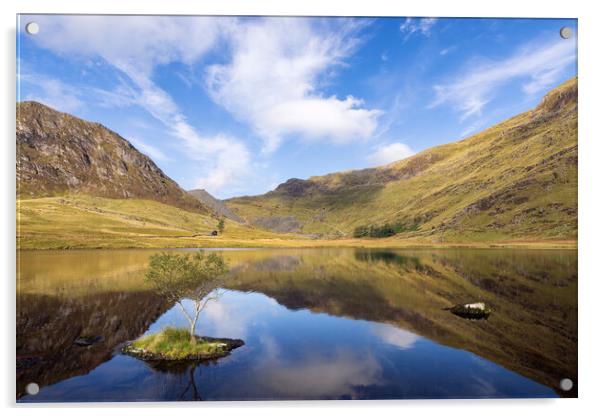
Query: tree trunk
x,y
192,337
193,327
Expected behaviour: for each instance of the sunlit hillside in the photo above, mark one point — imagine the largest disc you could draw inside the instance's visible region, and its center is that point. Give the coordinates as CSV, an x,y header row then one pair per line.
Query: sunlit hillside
x,y
515,180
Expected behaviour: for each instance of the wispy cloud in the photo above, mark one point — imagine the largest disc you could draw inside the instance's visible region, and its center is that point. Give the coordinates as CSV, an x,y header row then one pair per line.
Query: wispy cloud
x,y
389,153
337,373
149,150
276,87
413,26
51,91
395,336
447,51
136,47
541,65
140,42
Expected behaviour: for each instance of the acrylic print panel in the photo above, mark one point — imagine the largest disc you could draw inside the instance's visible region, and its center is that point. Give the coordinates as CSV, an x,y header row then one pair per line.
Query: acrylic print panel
x,y
270,208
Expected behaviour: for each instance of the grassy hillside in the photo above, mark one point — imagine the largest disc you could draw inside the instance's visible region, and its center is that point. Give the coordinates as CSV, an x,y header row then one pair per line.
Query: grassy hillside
x,y
515,180
94,222
513,184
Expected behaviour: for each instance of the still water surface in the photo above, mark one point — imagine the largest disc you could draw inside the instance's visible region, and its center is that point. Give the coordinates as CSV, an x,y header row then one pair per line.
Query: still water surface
x,y
318,324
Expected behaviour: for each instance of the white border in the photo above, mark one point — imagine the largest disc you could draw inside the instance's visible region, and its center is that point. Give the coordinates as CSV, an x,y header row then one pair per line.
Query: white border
x,y
590,185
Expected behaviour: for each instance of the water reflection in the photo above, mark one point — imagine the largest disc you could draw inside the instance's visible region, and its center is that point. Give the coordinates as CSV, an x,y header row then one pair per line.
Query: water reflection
x,y
317,324
47,328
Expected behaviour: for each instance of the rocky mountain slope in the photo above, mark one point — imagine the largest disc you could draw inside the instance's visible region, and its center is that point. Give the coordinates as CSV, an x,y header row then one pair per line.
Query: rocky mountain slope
x,y
214,204
517,179
59,154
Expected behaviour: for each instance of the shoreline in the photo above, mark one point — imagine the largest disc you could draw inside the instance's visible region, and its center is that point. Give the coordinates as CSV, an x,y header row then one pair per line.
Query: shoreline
x,y
218,243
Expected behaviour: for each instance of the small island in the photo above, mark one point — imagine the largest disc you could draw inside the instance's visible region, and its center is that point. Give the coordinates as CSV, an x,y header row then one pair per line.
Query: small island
x,y
175,344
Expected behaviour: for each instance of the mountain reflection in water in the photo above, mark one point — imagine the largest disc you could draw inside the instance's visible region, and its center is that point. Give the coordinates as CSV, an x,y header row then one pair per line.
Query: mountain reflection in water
x,y
318,324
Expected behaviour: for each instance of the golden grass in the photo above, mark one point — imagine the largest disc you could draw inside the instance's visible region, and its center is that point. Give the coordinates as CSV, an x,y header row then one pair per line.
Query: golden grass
x,y
77,222
93,222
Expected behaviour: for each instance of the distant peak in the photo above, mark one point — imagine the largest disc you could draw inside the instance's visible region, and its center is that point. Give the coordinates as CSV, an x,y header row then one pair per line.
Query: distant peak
x,y
198,190
216,205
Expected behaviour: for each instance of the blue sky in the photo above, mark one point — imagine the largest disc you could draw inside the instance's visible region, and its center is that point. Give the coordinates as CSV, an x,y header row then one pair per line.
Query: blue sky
x,y
238,105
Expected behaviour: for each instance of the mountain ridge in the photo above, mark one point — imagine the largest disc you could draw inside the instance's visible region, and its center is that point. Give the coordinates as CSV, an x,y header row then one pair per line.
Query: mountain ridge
x,y
58,153
457,188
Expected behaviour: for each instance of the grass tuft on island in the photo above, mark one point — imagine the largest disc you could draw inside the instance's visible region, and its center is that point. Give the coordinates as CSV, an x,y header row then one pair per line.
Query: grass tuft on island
x,y
175,344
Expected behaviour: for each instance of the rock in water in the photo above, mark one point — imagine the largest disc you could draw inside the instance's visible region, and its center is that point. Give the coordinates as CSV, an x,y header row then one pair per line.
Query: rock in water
x,y
86,341
478,310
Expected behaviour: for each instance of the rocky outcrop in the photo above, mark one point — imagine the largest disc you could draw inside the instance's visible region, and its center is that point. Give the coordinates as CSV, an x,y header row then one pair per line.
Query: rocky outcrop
x,y
294,187
60,154
279,224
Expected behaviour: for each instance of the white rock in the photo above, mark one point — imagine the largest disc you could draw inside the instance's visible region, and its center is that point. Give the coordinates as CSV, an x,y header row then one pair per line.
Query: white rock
x,y
478,305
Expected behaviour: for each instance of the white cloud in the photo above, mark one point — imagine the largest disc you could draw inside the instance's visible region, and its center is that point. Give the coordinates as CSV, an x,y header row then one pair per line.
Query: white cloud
x,y
149,150
52,92
395,336
540,64
319,375
233,162
274,77
136,46
315,117
421,25
140,42
390,153
273,80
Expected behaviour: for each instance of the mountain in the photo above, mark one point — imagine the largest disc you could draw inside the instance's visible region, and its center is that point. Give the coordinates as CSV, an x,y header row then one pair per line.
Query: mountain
x,y
517,179
59,154
215,204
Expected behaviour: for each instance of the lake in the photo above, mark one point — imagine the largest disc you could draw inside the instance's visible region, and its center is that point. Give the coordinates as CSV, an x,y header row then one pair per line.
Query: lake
x,y
317,324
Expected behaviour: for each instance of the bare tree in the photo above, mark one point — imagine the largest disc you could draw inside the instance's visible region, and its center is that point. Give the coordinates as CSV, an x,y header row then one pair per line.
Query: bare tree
x,y
181,276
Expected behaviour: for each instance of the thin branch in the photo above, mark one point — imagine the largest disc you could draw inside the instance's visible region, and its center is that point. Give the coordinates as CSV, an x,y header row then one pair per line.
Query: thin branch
x,y
185,313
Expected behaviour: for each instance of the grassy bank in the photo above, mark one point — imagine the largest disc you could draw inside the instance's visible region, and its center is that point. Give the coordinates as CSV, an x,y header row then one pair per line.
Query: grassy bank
x,y
190,242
